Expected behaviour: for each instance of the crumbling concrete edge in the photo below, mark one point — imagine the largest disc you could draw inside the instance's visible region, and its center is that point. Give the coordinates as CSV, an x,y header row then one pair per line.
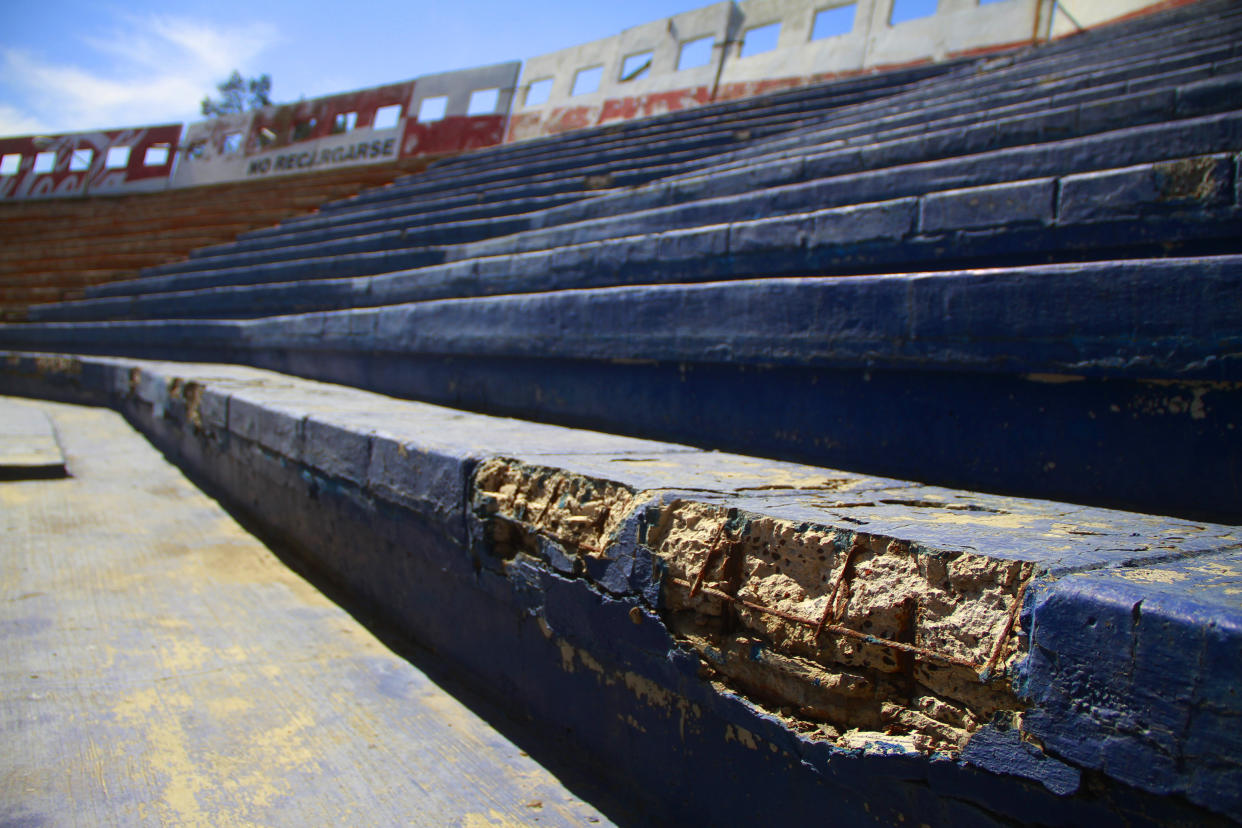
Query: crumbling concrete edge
x,y
587,617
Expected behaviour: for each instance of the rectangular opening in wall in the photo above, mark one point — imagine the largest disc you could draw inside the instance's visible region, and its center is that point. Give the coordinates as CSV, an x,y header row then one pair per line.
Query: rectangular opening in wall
x,y
760,39
232,143
303,130
45,162
117,158
483,101
587,80
10,163
694,53
80,160
344,122
635,67
538,92
156,155
904,10
833,22
386,117
432,109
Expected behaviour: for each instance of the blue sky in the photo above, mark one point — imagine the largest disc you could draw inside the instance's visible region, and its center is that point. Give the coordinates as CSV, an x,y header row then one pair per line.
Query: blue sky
x,y
73,66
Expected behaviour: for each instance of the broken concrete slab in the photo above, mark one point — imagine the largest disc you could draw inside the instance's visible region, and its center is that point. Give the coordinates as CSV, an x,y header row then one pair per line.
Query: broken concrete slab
x,y
698,616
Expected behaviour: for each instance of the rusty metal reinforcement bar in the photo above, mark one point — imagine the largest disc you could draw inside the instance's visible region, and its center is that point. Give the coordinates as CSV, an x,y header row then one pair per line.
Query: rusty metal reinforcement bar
x,y
834,628
827,621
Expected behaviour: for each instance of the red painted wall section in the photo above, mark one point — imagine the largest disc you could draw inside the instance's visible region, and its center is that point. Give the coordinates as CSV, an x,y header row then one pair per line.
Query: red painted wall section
x,y
452,134
564,119
653,103
745,89
96,177
317,118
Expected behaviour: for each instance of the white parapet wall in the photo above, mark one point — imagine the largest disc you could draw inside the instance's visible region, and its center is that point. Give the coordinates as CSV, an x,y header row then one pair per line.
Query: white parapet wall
x,y
1069,16
731,50
724,51
663,65
460,110
808,44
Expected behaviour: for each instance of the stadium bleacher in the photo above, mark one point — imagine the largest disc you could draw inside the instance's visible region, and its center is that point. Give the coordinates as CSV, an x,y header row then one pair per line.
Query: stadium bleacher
x,y
869,368
1032,185
114,237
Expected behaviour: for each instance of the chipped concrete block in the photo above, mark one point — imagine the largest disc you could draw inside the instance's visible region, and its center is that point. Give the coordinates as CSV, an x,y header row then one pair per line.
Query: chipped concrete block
x,y
1191,183
844,621
265,425
836,631
150,387
212,409
995,205
1136,666
866,222
712,241
428,482
524,503
338,450
779,233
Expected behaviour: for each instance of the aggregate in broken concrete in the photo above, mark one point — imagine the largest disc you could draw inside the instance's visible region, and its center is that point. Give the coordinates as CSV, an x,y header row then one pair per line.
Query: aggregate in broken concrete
x,y
838,631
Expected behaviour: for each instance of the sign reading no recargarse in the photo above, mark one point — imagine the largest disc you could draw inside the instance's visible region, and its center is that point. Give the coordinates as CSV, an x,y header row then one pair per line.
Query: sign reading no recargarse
x,y
302,160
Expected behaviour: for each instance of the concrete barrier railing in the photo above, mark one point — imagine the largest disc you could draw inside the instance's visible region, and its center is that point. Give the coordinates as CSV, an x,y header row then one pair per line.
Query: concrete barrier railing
x,y
106,161
432,114
340,130
445,112
723,51
736,49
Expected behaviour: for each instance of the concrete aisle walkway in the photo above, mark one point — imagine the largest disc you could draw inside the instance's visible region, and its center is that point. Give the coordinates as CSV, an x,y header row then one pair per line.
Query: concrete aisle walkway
x,y
158,665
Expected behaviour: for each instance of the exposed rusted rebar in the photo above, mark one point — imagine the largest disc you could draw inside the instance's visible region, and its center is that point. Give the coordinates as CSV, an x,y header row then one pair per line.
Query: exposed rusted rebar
x,y
712,551
552,498
835,628
1003,639
829,613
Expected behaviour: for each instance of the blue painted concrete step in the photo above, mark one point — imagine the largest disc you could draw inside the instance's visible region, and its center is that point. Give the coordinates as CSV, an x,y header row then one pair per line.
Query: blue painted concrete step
x,y
1109,383
1180,207
674,606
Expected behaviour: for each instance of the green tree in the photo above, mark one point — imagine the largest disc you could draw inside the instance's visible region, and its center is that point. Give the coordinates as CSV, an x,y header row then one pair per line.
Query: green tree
x,y
237,94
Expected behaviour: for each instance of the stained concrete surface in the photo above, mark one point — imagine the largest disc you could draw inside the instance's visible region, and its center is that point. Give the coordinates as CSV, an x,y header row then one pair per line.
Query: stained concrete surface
x,y
161,666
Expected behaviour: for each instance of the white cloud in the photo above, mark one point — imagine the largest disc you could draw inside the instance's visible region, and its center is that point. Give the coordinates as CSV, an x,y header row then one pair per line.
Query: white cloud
x,y
15,122
159,69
